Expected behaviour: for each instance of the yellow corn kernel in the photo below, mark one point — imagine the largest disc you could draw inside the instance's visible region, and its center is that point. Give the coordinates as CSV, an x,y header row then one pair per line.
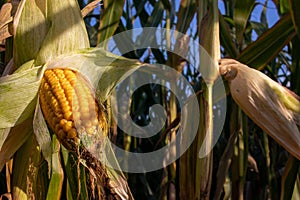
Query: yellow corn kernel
x,y
68,105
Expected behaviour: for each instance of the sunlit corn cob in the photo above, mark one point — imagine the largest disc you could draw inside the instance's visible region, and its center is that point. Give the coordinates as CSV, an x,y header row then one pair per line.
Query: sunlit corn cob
x,y
69,106
71,111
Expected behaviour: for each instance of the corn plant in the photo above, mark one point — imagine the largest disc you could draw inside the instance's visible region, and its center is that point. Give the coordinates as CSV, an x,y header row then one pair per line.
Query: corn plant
x,y
56,116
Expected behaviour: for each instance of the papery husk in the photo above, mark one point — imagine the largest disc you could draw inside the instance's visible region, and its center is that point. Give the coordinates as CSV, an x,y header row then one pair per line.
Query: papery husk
x,y
18,94
46,29
101,68
271,106
46,32
5,21
102,71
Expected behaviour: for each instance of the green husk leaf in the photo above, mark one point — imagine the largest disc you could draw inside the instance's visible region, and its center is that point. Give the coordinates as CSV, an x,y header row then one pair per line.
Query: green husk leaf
x,y
57,176
18,94
42,135
16,138
74,180
65,34
45,32
103,69
289,99
25,171
30,31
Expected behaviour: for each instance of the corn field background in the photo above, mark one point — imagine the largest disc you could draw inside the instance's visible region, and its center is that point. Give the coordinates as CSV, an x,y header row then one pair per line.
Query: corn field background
x,y
246,163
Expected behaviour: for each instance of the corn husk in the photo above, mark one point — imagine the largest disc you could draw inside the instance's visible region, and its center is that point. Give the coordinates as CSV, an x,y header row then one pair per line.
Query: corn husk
x,y
19,93
52,34
5,21
47,29
271,106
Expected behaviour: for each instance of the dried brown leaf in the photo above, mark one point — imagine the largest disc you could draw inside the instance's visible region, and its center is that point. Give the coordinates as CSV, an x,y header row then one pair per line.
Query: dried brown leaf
x,y
5,20
90,7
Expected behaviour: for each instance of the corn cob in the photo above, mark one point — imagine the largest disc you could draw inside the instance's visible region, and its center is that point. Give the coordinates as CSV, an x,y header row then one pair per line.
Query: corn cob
x,y
70,109
271,106
69,106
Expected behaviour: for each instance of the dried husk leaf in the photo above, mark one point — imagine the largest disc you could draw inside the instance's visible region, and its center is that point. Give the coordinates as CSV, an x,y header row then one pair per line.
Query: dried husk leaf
x,y
3,135
271,106
5,20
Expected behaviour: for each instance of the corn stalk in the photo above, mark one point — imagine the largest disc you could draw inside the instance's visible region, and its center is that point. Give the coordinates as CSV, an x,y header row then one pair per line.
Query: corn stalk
x,y
209,40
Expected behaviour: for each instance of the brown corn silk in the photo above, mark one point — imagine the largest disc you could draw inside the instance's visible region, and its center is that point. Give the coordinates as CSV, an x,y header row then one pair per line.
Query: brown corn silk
x,y
271,106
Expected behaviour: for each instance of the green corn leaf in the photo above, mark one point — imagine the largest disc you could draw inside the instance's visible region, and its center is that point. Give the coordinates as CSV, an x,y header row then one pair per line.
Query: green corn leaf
x,y
295,14
289,178
242,11
226,39
156,16
259,53
152,21
110,18
185,14
284,6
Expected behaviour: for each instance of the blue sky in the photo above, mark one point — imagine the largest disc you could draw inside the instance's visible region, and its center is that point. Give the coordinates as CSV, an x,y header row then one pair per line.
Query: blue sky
x,y
272,15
